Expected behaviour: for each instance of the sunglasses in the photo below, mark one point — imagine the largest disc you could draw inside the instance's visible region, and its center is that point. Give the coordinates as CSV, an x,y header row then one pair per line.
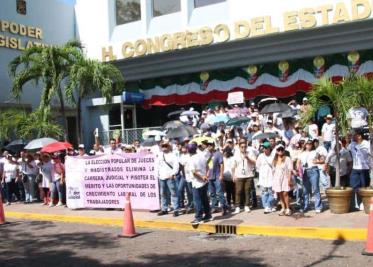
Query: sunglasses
x,y
280,150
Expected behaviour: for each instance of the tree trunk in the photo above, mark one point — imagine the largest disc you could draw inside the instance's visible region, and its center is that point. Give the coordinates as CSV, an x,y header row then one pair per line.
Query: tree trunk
x,y
338,157
79,119
63,114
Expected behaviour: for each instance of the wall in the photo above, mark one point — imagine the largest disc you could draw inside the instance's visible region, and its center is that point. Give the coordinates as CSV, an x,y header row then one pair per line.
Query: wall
x,y
54,17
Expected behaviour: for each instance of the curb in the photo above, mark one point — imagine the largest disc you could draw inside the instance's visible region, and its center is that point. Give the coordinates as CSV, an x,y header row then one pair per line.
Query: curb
x,y
348,234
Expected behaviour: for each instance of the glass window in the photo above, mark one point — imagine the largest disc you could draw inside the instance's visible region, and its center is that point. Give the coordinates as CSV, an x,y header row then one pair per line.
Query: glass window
x,y
21,7
199,3
127,11
164,7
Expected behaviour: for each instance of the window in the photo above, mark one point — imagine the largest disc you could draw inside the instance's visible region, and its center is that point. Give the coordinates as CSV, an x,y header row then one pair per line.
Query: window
x,y
200,3
164,7
21,7
127,11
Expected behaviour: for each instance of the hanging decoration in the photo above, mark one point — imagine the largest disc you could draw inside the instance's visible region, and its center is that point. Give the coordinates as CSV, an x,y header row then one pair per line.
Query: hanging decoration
x,y
252,72
283,66
354,61
319,64
204,77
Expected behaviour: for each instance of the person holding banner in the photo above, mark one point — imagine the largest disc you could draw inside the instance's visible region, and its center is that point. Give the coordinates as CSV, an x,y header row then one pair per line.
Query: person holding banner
x,y
198,167
168,168
113,149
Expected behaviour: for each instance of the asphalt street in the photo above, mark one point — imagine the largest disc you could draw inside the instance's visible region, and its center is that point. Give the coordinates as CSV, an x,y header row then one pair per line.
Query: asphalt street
x,y
41,243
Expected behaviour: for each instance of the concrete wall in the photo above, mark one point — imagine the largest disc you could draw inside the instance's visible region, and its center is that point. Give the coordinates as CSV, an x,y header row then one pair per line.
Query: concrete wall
x,y
54,17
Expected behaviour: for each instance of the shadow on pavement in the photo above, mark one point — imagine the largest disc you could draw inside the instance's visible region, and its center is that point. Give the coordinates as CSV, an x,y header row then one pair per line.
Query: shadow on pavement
x,y
43,244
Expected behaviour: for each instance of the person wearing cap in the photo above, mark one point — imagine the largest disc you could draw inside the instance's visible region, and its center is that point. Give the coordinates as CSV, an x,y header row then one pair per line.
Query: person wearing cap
x,y
328,131
305,105
321,155
197,166
127,148
243,175
215,164
185,184
81,151
282,178
168,168
9,178
361,159
264,168
294,105
307,164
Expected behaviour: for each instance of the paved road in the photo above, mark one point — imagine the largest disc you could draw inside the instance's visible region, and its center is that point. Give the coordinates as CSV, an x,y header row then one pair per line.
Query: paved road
x,y
36,243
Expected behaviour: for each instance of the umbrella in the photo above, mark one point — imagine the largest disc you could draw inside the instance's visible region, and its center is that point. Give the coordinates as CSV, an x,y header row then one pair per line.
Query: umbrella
x,y
149,142
289,114
173,124
39,143
201,139
181,132
264,136
56,146
275,108
16,145
190,113
175,113
238,121
266,101
219,118
153,133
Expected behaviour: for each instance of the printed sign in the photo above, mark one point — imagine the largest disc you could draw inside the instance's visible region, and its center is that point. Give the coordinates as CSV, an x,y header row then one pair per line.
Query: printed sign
x,y
103,181
235,98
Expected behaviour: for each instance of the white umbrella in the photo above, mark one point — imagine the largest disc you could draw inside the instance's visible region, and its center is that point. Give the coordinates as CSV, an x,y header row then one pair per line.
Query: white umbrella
x,y
153,133
190,113
39,143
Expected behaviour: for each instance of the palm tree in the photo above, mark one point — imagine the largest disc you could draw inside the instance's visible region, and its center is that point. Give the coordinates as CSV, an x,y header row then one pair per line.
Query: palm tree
x,y
10,121
49,65
340,98
87,76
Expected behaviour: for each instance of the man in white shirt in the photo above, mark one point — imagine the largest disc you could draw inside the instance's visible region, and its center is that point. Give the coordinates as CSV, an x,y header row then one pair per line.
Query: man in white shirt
x,y
327,131
114,149
361,157
358,117
198,168
321,155
168,168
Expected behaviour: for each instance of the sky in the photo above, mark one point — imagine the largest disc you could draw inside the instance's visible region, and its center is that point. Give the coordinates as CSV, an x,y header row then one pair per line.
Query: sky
x,y
71,2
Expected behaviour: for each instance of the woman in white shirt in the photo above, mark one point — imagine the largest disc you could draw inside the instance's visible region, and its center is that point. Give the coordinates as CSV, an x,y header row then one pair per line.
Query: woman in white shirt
x,y
227,176
46,169
9,177
264,168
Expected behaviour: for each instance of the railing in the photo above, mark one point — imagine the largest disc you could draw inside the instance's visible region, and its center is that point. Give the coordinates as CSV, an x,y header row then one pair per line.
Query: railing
x,y
127,136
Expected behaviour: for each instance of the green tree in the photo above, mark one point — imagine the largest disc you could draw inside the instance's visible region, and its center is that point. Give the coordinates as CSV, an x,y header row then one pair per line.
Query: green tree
x,y
87,76
339,97
49,65
10,121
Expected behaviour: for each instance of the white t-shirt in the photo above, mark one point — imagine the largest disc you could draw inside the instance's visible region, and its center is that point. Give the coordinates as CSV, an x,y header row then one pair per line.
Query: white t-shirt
x,y
344,159
328,132
10,171
168,165
243,168
108,151
313,131
307,158
198,163
228,166
358,117
360,155
321,150
264,168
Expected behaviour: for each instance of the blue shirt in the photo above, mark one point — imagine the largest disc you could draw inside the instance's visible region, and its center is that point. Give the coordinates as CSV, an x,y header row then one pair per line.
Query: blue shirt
x,y
214,165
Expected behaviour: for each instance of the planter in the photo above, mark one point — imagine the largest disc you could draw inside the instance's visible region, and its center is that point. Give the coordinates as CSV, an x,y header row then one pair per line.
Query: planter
x,y
339,199
366,193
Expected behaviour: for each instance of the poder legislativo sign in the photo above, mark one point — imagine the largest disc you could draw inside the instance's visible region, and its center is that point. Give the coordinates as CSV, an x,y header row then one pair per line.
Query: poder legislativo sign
x,y
102,181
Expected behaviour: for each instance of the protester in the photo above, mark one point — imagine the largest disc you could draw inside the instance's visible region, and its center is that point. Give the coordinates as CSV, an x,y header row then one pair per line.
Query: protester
x,y
47,171
58,179
9,179
227,177
29,172
327,131
243,174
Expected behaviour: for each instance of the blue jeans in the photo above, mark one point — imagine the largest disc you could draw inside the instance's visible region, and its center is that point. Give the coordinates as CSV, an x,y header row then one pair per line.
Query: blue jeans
x,y
168,185
201,202
311,183
267,197
29,186
358,178
56,191
217,194
298,189
327,145
182,187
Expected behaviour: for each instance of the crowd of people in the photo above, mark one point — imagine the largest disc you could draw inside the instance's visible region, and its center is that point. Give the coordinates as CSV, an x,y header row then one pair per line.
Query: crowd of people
x,y
223,168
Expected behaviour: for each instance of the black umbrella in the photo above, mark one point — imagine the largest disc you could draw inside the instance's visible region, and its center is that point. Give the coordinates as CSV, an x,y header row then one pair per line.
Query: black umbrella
x,y
265,101
16,146
149,142
289,113
275,108
181,132
175,113
264,136
173,125
237,121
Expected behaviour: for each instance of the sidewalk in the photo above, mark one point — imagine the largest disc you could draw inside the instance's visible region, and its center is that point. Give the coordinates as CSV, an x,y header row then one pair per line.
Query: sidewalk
x,y
350,226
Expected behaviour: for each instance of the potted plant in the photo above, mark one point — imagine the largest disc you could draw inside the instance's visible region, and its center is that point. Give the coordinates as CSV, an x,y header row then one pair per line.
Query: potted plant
x,y
339,98
363,97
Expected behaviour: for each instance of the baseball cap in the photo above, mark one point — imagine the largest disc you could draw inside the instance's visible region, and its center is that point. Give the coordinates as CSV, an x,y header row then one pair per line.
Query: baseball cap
x,y
81,146
266,144
329,116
